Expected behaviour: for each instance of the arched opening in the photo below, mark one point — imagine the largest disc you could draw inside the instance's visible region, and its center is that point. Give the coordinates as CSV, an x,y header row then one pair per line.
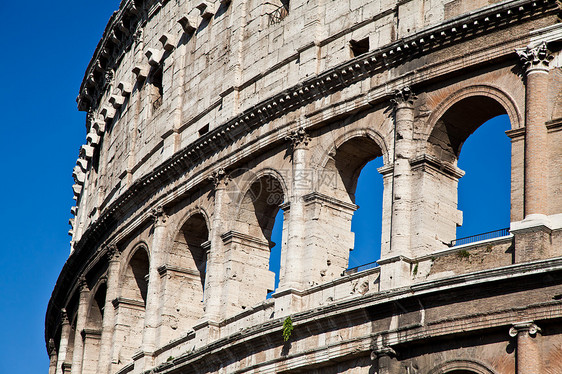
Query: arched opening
x,y
484,190
252,242
476,126
184,276
275,253
337,205
131,305
93,330
367,220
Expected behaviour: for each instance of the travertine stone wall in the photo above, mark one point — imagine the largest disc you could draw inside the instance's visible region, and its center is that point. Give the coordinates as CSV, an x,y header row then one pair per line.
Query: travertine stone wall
x,y
205,118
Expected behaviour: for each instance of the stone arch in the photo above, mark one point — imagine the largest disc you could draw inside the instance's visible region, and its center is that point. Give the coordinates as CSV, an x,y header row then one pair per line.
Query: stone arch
x,y
184,275
250,177
333,202
363,132
93,329
449,127
131,304
462,366
248,245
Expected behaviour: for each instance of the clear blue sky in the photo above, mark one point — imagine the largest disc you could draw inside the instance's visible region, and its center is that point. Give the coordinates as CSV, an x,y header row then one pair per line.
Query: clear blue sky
x,y
46,47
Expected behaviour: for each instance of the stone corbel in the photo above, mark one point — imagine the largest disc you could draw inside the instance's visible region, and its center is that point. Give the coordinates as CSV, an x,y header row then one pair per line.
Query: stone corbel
x,y
83,163
74,210
168,42
404,96
141,71
207,9
189,22
116,100
114,37
93,138
154,56
87,150
125,88
108,112
71,222
78,175
91,80
121,26
77,189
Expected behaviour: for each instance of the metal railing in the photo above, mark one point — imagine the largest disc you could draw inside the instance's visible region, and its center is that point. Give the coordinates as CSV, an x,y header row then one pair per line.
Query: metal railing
x,y
479,237
359,268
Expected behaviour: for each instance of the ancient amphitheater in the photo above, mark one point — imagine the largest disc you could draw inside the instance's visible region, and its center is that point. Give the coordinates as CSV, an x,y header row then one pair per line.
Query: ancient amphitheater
x,y
207,117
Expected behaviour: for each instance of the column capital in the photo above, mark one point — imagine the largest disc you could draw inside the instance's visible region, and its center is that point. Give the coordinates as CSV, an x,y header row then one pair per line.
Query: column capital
x,y
113,252
299,138
524,327
220,178
404,97
64,316
536,58
159,215
83,284
383,351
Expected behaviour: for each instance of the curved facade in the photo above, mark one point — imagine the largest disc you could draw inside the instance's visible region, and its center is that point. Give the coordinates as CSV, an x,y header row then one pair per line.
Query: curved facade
x,y
205,118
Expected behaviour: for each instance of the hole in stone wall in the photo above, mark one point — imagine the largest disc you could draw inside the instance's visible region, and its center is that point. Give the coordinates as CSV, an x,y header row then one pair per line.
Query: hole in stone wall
x,y
203,130
157,90
359,47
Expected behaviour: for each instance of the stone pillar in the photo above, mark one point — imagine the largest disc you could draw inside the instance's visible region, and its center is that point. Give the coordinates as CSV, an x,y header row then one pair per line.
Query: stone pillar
x,y
105,360
80,325
63,344
53,357
528,351
213,277
151,317
384,358
291,274
535,62
395,268
532,235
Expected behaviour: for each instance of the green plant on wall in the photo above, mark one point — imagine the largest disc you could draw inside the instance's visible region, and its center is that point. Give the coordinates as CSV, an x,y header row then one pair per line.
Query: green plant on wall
x,y
287,328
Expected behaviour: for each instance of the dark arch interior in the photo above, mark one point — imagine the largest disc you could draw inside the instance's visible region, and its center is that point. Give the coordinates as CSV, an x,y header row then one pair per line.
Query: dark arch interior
x,y
351,157
459,122
95,314
260,206
136,279
194,233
